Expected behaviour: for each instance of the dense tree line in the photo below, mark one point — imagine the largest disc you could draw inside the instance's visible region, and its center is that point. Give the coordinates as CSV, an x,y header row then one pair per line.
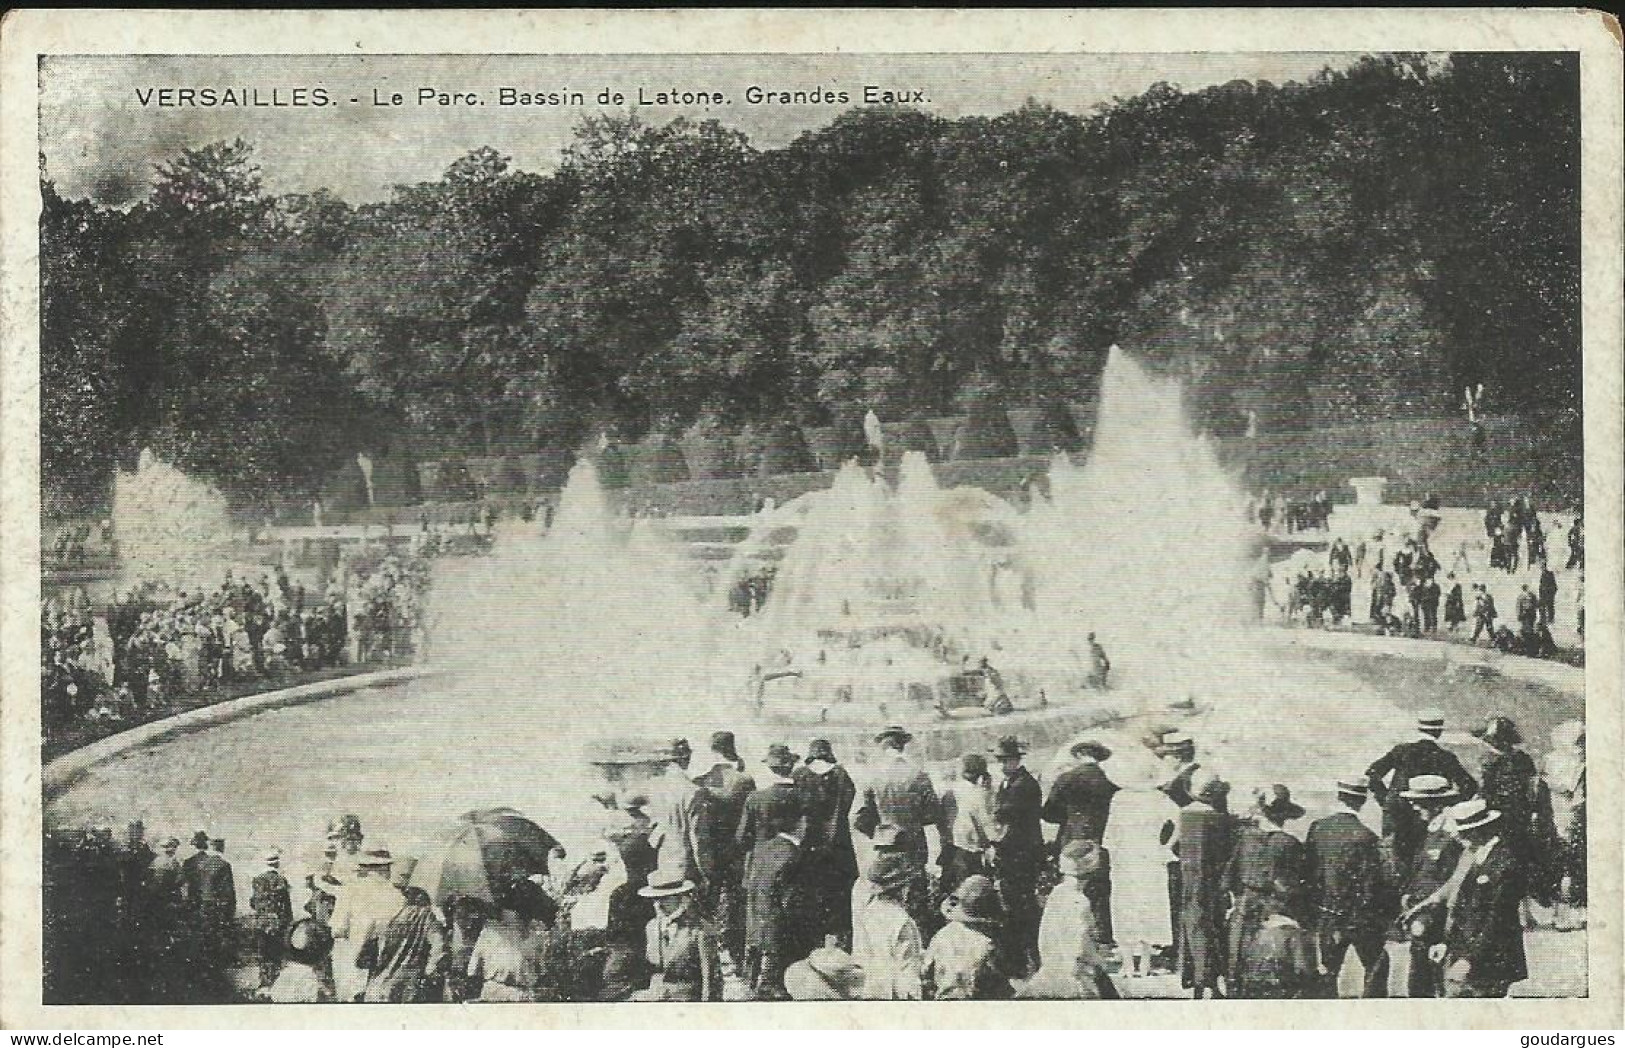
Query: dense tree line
x,y
1360,246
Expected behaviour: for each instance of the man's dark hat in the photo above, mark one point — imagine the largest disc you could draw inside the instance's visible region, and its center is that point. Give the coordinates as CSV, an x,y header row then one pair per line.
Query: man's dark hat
x,y
722,742
893,732
200,839
1501,733
1094,749
779,753
1276,802
820,750
1009,746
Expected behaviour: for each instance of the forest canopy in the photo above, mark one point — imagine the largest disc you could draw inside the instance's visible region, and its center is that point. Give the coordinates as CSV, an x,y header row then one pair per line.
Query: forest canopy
x,y
1357,247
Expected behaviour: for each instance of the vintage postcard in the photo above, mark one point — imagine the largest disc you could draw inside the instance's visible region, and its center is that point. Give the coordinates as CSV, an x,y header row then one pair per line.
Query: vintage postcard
x,y
615,518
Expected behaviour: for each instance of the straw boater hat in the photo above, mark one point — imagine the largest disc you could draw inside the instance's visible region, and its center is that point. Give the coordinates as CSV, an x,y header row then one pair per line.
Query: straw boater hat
x,y
1008,747
1435,788
375,859
1080,858
975,903
1276,802
1472,814
887,835
828,974
1430,722
1353,786
1094,749
663,883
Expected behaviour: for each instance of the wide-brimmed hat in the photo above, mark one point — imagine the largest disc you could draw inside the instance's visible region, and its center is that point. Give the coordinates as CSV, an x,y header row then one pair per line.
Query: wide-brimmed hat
x,y
1501,733
1008,747
1429,788
779,753
1353,786
891,869
200,839
1081,858
375,858
827,974
1212,791
887,835
820,750
401,875
309,940
975,902
897,732
1276,802
1430,722
1094,749
1472,814
665,883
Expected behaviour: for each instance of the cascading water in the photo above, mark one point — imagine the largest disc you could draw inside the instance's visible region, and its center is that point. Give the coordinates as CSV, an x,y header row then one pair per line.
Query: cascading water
x,y
169,527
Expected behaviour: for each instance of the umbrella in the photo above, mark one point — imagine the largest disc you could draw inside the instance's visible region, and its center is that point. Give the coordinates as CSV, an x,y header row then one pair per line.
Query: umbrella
x,y
482,855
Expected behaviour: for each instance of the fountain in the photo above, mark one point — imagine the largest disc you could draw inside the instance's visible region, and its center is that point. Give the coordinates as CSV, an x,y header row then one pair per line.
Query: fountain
x,y
169,527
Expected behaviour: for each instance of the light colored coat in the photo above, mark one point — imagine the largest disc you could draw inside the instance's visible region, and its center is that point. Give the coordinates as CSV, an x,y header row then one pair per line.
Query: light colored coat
x,y
886,944
364,909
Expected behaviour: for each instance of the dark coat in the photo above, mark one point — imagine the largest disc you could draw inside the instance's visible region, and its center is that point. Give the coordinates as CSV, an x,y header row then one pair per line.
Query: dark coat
x,y
1431,866
774,808
1018,806
775,897
1080,803
210,889
1206,839
829,798
1264,857
1509,787
728,787
1484,927
273,909
903,796
1349,888
1392,773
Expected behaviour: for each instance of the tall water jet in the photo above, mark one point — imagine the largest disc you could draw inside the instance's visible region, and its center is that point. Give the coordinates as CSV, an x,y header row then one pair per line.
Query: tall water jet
x,y
1146,545
169,527
589,626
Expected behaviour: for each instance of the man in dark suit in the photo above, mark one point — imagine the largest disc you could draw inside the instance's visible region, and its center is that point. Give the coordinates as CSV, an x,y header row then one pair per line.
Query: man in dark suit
x,y
729,787
211,894
1080,803
1018,854
1483,950
828,793
1392,773
1424,877
273,916
1351,896
1266,874
775,893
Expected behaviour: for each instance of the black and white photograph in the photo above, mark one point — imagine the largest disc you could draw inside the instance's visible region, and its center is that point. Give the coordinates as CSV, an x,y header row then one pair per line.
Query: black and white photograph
x,y
845,526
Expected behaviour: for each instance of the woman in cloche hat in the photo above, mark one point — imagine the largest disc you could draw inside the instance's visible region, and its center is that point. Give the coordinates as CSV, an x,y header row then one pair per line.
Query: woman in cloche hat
x,y
886,942
961,964
1072,962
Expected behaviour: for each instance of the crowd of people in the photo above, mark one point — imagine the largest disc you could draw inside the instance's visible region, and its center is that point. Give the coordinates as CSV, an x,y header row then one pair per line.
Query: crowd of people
x,y
713,883
1276,514
159,645
1411,593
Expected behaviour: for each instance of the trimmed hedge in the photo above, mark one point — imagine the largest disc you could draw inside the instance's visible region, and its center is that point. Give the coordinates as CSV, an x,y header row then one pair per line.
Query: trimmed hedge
x,y
658,460
985,434
784,450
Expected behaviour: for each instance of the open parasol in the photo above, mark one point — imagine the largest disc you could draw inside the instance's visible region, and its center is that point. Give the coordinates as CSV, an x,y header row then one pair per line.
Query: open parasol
x,y
482,855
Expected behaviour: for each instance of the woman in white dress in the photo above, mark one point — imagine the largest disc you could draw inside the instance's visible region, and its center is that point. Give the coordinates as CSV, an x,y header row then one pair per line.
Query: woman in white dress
x,y
1139,840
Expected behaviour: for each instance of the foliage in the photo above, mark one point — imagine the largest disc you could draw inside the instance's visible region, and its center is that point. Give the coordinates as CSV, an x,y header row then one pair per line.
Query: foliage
x,y
1352,249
